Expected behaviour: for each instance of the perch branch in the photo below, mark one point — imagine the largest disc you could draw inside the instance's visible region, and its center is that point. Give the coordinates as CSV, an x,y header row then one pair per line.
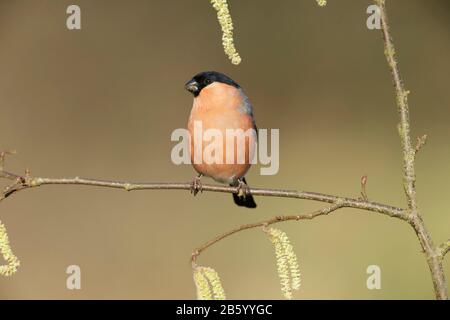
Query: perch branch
x,y
27,182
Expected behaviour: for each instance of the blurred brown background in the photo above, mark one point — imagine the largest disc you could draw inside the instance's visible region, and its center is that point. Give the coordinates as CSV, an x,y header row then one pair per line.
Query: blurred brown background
x,y
102,103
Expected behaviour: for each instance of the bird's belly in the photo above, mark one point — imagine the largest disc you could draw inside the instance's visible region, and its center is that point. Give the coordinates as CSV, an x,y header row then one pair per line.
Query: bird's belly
x,y
216,151
224,173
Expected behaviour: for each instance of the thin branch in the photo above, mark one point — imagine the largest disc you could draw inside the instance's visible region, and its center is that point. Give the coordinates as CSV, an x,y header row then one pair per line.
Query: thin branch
x,y
421,142
443,249
3,155
409,175
409,153
363,187
277,219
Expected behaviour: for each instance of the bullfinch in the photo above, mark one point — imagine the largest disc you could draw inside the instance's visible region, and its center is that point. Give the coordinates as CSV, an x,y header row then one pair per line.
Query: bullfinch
x,y
220,105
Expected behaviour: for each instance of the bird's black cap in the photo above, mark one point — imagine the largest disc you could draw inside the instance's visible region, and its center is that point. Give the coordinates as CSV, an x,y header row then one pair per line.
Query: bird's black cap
x,y
203,79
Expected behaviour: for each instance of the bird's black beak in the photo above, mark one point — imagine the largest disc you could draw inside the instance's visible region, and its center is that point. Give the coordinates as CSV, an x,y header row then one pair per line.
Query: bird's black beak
x,y
192,86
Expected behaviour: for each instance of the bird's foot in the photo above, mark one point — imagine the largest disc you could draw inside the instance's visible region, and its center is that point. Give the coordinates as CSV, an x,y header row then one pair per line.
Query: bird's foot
x,y
243,189
196,185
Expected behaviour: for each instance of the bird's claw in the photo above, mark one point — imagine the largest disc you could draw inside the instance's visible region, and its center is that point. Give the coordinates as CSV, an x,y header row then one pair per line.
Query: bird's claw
x,y
196,186
243,189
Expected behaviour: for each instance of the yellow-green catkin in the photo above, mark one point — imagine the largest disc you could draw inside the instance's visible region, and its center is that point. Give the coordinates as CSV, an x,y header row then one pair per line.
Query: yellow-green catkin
x,y
12,262
322,3
224,17
201,282
287,262
209,286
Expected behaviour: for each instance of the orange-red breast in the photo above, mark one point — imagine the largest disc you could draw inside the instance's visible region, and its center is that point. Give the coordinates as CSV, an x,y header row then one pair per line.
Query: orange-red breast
x,y
221,105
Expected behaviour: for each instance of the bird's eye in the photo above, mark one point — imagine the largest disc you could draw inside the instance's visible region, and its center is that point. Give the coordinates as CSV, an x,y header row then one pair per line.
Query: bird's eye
x,y
207,81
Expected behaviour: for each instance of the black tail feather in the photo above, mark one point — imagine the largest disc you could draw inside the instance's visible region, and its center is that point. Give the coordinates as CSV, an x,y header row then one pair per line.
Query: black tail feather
x,y
244,200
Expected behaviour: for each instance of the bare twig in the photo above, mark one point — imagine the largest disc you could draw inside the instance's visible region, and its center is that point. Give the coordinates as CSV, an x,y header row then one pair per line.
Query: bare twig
x,y
443,249
409,152
308,216
421,142
3,155
363,188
